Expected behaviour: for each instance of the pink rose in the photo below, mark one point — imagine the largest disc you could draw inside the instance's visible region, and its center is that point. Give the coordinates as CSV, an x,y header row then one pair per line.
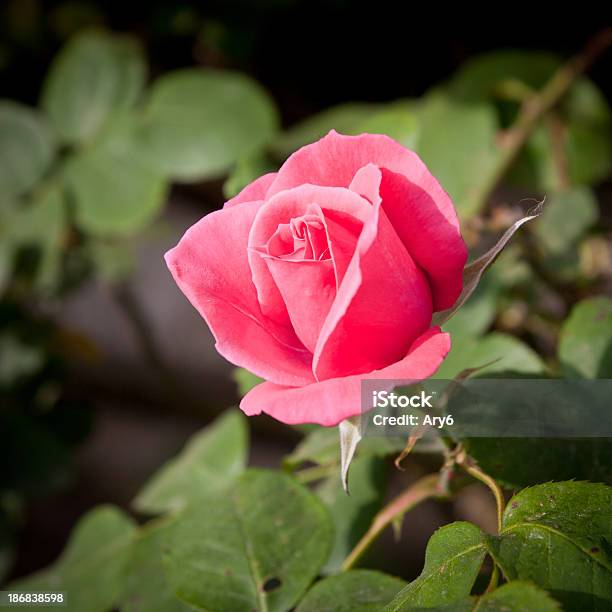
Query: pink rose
x,y
325,273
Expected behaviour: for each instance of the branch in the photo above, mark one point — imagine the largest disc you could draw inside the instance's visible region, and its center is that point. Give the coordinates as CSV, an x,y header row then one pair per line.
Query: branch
x,y
539,104
422,489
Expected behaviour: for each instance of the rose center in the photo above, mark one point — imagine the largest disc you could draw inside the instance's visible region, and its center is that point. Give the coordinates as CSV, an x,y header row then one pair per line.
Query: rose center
x,y
303,238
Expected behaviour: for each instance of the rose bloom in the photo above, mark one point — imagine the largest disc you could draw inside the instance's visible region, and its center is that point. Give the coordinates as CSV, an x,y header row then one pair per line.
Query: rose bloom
x,y
327,272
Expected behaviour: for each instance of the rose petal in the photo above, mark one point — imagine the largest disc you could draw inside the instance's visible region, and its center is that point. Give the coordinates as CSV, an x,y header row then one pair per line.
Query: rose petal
x,y
253,191
382,306
331,401
335,160
344,207
308,289
434,243
210,266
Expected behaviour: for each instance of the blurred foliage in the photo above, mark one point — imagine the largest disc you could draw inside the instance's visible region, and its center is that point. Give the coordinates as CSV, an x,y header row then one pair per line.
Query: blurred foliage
x,y
89,169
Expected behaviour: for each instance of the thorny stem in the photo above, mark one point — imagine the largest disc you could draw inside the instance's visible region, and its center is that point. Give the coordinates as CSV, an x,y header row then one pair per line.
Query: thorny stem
x,y
424,488
471,467
538,105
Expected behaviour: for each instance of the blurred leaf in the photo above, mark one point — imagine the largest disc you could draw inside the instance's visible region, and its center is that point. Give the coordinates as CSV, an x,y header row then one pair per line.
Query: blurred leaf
x,y
457,142
245,381
26,148
398,122
517,596
588,143
352,514
554,230
42,223
509,77
585,346
256,548
18,359
113,261
508,353
483,76
344,118
321,446
95,75
115,191
247,169
209,464
452,561
354,591
198,123
91,569
558,536
146,589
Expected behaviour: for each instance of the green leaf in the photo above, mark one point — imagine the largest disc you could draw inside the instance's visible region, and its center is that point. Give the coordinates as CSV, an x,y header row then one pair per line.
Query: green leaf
x,y
400,122
115,191
452,561
208,465
91,569
585,347
509,77
247,169
245,380
344,118
559,536
352,514
95,75
42,223
256,548
198,123
18,359
457,142
354,591
517,597
321,446
553,230
484,77
504,353
146,587
26,148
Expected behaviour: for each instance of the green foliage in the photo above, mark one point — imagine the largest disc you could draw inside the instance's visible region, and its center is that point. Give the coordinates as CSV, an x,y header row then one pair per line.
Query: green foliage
x,y
452,562
146,588
352,514
94,76
197,123
447,126
208,465
558,536
582,121
503,352
92,567
354,591
26,148
517,597
257,548
585,347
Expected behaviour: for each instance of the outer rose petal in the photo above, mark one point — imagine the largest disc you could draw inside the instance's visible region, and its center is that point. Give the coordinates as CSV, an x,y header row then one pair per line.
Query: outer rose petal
x,y
331,401
253,191
210,266
382,306
335,159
